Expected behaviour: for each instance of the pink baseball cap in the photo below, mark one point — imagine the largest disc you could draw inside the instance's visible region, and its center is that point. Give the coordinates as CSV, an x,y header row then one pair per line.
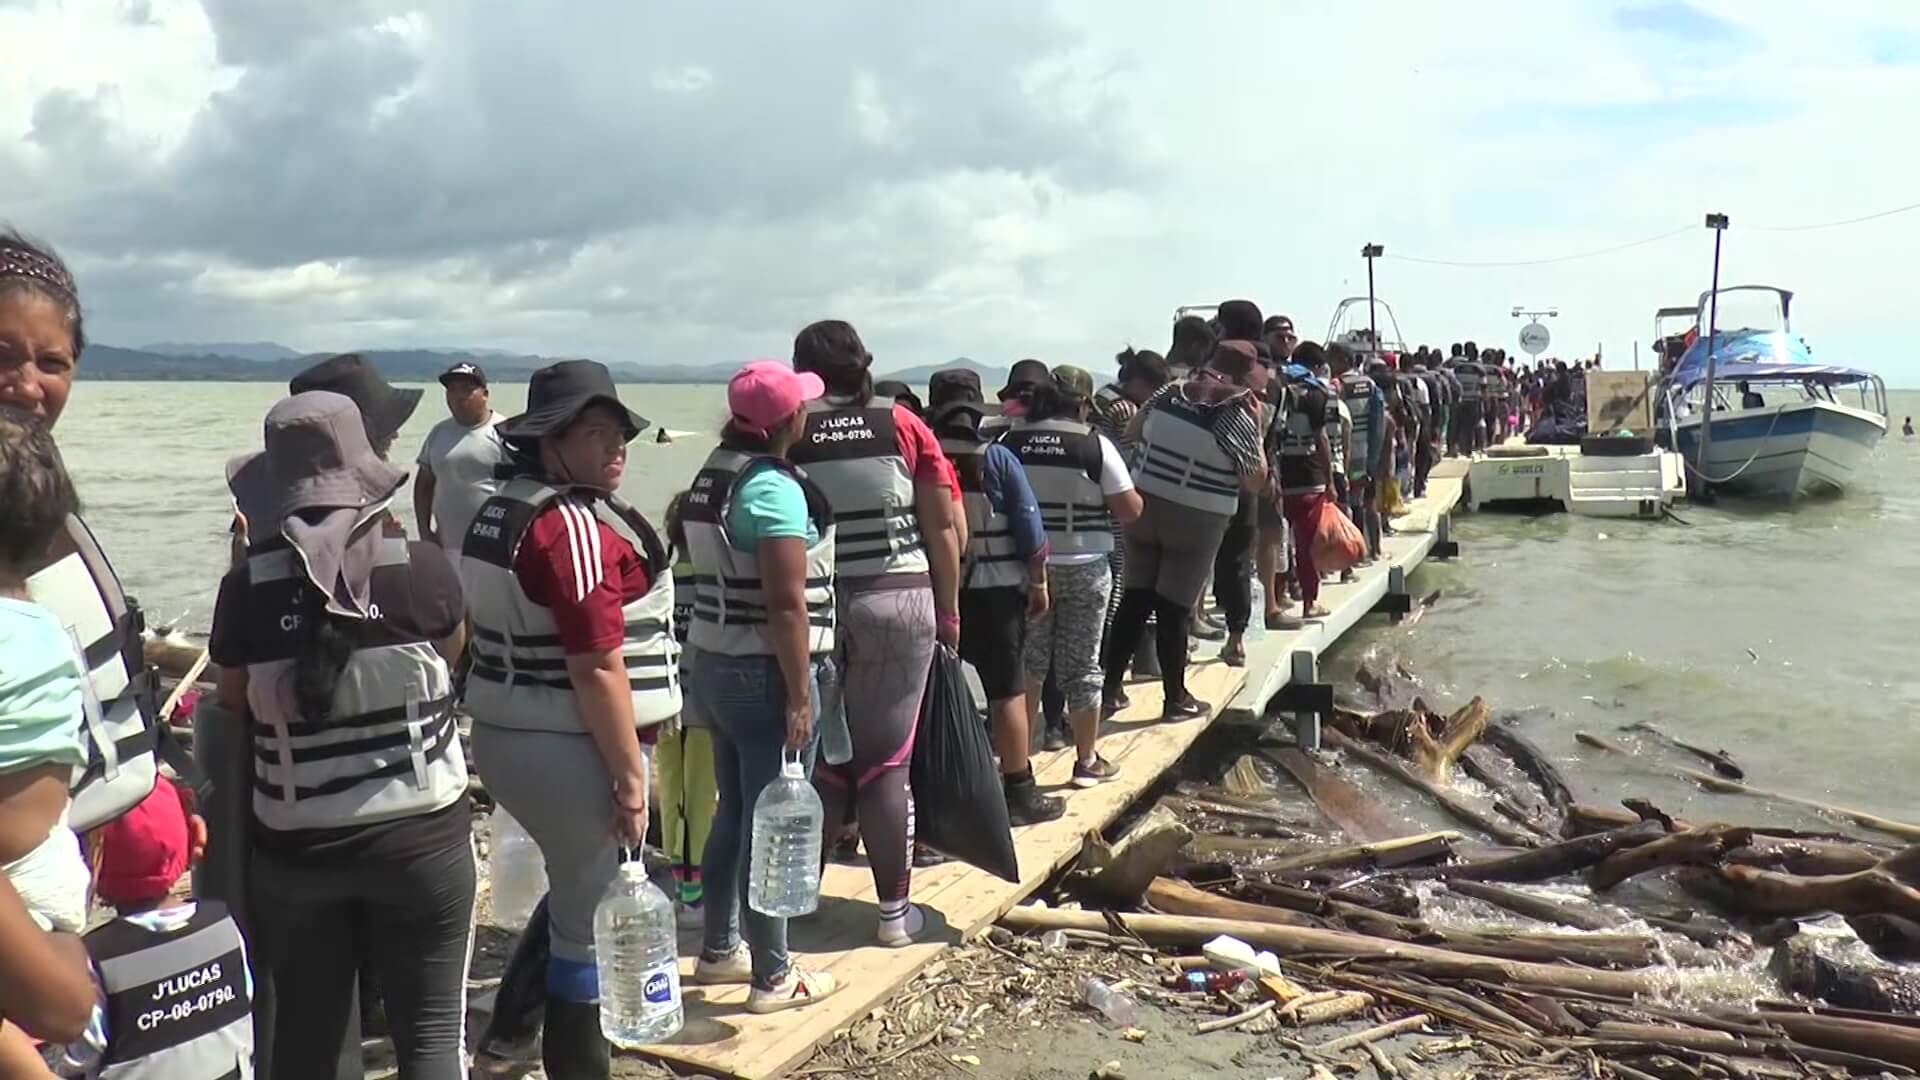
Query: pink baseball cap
x,y
765,392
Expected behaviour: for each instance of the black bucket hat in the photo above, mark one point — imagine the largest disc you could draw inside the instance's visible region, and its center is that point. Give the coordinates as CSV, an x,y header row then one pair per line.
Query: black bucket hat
x,y
559,393
383,406
956,390
900,393
1024,374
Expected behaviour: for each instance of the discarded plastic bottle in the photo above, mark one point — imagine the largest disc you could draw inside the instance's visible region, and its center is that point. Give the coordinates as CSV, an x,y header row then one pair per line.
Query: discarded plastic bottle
x,y
516,869
783,873
1203,982
637,951
1119,1009
1053,941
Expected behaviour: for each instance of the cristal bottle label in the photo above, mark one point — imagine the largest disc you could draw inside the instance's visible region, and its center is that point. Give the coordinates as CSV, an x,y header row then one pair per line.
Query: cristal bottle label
x,y
662,984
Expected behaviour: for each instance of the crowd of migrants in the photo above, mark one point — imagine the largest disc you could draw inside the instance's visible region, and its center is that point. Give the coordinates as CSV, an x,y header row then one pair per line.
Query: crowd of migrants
x,y
840,532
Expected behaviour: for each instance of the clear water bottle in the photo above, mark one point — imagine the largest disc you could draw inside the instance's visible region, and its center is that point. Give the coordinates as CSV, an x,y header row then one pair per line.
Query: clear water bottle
x,y
830,715
635,947
783,875
1119,1009
516,869
1257,617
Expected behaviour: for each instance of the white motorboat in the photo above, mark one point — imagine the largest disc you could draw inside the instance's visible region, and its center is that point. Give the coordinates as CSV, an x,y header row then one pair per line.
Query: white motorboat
x,y
1779,427
1355,325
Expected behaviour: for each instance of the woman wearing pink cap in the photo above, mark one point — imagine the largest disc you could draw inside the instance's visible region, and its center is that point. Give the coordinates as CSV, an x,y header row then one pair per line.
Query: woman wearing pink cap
x,y
761,539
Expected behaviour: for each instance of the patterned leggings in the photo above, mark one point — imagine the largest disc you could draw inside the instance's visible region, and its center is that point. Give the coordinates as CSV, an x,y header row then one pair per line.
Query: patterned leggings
x,y
1066,640
888,639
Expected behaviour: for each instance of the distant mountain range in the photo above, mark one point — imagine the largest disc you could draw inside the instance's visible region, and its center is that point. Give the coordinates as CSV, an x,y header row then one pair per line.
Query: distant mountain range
x,y
267,361
991,378
258,351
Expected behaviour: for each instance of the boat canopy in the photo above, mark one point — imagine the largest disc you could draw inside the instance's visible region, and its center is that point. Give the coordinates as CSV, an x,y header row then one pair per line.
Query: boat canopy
x,y
1353,323
1760,355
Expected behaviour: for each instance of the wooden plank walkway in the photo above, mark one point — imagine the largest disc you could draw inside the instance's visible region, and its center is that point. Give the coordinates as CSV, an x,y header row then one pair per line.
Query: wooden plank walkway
x,y
723,1039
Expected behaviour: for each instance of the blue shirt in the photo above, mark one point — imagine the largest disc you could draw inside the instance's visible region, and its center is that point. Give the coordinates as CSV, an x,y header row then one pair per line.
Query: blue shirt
x,y
1004,480
769,505
1370,455
41,694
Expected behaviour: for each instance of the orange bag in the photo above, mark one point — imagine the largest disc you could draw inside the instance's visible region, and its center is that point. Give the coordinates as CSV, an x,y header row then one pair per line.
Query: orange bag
x,y
1337,542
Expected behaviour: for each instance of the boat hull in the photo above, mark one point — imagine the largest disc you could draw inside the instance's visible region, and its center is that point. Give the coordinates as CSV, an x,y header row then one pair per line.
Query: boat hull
x,y
1787,451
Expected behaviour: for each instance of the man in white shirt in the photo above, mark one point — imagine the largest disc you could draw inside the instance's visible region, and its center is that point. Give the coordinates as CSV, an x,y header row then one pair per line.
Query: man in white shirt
x,y
459,462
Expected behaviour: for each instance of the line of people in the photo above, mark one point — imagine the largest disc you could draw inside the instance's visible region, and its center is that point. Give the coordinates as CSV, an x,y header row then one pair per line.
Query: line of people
x,y
790,607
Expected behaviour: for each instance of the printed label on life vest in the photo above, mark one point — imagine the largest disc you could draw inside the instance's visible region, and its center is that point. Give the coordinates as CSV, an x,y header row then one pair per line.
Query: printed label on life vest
x,y
662,984
842,429
176,999
489,523
1041,444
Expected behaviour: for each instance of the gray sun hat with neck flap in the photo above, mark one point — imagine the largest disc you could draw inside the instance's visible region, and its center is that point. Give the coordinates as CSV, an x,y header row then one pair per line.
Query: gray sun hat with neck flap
x,y
330,492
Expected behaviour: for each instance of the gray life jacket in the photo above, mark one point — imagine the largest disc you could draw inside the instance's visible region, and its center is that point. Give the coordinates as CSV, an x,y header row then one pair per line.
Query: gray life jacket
x,y
1062,461
853,453
990,561
390,749
121,693
729,591
1469,379
519,677
178,1005
1357,391
1181,461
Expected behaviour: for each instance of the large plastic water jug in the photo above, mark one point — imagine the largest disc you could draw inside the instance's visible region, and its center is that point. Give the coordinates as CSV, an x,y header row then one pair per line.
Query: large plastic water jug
x,y
516,869
634,945
783,874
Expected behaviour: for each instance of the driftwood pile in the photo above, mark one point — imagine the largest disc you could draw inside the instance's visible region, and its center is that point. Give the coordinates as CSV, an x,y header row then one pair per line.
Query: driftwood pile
x,y
1653,954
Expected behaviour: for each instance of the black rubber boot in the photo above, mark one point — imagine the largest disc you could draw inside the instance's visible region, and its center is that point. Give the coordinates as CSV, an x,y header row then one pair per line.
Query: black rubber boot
x,y
571,1047
513,1030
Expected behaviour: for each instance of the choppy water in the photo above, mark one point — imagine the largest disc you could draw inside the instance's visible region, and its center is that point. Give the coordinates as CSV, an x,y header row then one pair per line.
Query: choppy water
x,y
1586,624
1575,622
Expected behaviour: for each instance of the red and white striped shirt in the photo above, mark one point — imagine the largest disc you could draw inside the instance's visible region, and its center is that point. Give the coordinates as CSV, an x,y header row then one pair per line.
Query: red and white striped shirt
x,y
583,571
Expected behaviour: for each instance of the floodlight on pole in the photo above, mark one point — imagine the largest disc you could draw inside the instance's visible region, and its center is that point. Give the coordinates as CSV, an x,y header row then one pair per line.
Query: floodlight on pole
x,y
1371,252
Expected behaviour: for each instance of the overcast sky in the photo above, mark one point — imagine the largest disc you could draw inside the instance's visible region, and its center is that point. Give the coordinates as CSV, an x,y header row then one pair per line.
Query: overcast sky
x,y
661,182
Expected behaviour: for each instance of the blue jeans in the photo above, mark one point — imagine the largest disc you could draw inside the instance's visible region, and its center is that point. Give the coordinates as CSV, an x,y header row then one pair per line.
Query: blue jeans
x,y
743,701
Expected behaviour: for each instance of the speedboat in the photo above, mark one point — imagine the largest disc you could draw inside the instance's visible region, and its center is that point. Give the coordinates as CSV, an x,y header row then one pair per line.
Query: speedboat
x,y
1354,326
1779,427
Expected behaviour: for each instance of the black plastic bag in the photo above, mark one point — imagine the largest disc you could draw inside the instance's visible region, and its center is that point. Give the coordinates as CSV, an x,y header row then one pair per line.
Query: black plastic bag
x,y
959,805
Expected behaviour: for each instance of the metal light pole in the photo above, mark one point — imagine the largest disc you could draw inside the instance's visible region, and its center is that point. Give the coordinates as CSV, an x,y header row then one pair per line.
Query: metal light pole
x,y
1718,223
1371,252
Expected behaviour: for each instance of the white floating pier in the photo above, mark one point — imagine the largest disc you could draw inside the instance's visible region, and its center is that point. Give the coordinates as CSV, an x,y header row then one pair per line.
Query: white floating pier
x,y
1595,485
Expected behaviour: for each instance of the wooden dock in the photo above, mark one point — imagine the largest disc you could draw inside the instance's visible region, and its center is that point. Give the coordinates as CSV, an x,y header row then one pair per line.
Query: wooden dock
x,y
723,1039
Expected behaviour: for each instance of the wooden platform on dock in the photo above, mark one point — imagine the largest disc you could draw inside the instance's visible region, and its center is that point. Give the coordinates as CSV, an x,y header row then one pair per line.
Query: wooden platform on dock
x,y
722,1038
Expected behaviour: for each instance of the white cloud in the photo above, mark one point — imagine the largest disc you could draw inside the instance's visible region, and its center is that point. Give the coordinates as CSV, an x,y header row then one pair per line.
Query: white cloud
x,y
995,180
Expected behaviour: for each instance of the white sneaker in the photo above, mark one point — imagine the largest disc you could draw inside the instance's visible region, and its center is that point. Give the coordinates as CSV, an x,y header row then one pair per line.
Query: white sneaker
x,y
795,989
690,916
735,966
899,933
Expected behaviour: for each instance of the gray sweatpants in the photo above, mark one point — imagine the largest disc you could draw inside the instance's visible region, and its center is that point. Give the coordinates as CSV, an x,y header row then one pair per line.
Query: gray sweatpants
x,y
558,789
